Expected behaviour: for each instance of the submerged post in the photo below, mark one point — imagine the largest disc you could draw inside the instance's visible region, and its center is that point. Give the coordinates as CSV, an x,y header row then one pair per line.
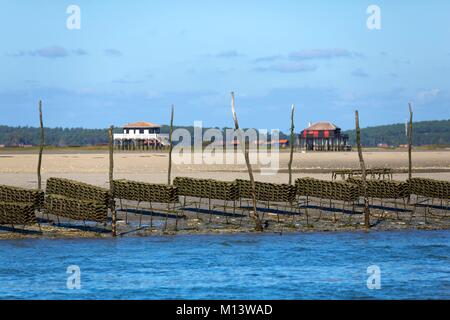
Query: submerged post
x,y
41,146
291,142
410,142
258,223
111,184
170,148
363,169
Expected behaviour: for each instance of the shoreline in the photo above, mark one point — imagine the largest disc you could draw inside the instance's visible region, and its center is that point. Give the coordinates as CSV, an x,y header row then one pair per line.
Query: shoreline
x,y
90,236
383,221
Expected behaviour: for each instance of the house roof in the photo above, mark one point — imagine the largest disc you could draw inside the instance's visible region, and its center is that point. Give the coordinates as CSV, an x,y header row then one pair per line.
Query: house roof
x,y
323,125
280,141
142,124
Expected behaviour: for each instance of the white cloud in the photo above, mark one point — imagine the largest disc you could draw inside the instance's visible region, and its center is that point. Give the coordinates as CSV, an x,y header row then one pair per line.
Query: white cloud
x,y
287,68
360,73
50,52
428,94
322,54
113,53
228,54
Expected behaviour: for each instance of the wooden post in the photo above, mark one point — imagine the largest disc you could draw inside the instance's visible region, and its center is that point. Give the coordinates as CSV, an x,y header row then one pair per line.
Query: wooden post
x,y
258,222
363,169
291,142
170,148
111,183
410,142
41,146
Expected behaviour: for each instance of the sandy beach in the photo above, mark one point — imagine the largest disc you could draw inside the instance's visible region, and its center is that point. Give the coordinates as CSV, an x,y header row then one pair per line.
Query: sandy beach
x,y
19,169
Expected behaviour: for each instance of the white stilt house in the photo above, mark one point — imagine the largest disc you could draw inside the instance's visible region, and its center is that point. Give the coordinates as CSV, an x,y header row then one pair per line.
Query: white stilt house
x,y
140,135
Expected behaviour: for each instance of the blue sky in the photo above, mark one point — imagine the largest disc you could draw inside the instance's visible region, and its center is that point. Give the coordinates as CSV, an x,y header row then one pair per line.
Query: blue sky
x,y
131,60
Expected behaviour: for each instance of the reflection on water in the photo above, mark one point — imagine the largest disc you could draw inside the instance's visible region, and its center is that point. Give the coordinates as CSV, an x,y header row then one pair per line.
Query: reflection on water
x,y
414,264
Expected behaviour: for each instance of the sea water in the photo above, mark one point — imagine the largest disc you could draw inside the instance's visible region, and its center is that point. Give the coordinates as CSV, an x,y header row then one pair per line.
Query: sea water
x,y
408,265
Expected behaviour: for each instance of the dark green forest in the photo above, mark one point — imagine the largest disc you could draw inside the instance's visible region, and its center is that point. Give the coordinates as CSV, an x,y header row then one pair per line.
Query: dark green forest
x,y
424,133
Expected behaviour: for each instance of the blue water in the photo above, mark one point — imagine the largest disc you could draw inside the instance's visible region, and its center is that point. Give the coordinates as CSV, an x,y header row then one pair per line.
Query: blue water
x,y
413,264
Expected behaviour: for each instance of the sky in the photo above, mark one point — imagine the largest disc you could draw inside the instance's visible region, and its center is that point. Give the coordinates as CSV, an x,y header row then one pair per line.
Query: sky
x,y
131,60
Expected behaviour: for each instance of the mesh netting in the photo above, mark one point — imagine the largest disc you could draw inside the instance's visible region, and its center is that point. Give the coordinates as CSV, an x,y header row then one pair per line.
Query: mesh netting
x,y
22,195
383,189
335,190
264,191
430,188
17,213
142,191
77,190
76,209
207,188
374,173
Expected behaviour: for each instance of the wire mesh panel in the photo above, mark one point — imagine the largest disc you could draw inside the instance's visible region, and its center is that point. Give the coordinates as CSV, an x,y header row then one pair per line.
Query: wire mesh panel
x,y
223,190
143,191
374,173
76,209
384,189
18,205
17,213
430,188
207,188
334,190
77,200
264,191
22,195
77,190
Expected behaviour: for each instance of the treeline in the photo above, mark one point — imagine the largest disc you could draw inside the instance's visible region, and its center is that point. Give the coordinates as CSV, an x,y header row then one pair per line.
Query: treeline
x,y
63,137
424,133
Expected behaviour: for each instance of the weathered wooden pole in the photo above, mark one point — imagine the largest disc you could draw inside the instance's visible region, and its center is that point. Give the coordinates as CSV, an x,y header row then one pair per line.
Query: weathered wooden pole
x,y
291,142
111,182
41,146
258,222
363,169
170,148
410,142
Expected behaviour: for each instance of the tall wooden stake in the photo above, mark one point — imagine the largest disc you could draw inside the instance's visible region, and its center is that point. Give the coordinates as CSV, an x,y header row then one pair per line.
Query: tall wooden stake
x,y
363,169
170,149
410,141
291,142
111,184
258,223
41,147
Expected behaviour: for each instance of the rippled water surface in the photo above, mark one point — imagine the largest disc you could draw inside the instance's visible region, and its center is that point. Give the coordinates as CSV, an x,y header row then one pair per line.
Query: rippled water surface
x,y
413,264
